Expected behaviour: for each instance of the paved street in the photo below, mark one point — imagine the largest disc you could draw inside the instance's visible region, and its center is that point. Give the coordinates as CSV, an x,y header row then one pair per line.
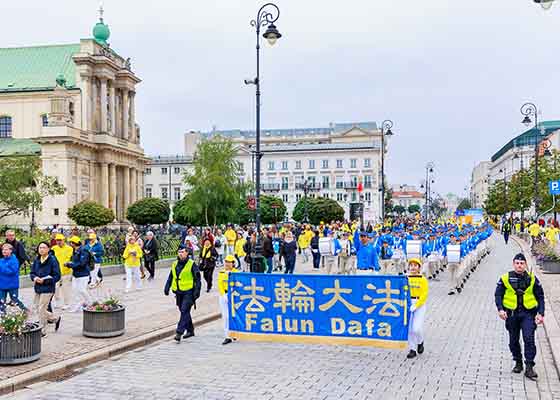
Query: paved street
x,y
466,358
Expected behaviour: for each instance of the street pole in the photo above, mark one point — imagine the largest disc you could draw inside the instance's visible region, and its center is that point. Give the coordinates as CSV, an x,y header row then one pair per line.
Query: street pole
x,y
528,110
385,130
266,16
305,215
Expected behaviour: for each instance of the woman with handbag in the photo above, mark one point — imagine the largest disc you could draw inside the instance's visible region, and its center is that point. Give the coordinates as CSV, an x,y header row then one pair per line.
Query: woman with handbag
x,y
151,254
208,257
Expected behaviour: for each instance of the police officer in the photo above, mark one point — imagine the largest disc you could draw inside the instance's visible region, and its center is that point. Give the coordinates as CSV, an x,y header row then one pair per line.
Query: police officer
x,y
184,282
520,302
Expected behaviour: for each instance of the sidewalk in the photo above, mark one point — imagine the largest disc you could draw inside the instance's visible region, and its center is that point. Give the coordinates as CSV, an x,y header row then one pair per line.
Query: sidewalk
x,y
148,312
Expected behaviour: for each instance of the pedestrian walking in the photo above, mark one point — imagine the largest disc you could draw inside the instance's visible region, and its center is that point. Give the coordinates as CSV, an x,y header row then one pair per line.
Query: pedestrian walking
x,y
151,255
184,282
45,272
223,286
9,278
97,251
220,244
132,260
208,257
230,236
314,245
80,265
268,251
18,249
288,252
418,285
239,250
304,242
506,230
520,302
63,253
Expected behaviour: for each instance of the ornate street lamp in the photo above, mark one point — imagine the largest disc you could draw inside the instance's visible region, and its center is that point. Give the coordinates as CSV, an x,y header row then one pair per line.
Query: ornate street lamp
x,y
545,4
529,110
266,17
385,131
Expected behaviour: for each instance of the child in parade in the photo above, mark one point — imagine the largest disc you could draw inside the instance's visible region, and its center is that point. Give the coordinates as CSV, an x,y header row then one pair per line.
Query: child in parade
x,y
418,285
223,281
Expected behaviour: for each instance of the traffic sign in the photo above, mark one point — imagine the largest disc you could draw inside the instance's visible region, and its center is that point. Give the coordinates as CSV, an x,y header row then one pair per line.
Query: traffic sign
x,y
554,187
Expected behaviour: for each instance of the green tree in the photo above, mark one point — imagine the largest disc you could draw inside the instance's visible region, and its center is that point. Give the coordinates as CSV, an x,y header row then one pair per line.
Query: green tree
x,y
319,209
388,200
91,214
23,186
465,204
496,201
414,208
399,209
215,188
148,211
269,214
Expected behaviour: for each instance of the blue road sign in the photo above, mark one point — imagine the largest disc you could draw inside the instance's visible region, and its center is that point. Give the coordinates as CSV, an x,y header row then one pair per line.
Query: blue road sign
x,y
554,187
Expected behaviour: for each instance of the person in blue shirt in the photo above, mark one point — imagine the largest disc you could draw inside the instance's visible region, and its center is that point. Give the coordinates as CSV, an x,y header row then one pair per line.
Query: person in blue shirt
x,y
9,278
366,255
385,254
431,253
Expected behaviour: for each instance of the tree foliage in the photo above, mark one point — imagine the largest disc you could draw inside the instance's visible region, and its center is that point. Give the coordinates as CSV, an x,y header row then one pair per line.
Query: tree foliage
x,y
414,208
215,187
91,214
399,209
319,209
23,186
465,204
148,211
268,213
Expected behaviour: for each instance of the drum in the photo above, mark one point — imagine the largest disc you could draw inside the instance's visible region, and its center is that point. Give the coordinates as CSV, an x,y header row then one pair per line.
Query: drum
x,y
453,253
413,248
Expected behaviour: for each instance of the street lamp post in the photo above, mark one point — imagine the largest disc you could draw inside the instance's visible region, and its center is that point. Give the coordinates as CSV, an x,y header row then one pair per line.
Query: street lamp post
x,y
429,170
306,187
505,188
385,131
266,17
545,4
528,110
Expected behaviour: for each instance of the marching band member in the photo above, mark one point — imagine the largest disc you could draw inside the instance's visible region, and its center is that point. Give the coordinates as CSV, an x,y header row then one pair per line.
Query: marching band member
x,y
418,285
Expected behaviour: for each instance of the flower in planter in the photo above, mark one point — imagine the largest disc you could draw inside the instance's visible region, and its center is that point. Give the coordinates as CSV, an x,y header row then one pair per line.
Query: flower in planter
x,y
110,303
15,321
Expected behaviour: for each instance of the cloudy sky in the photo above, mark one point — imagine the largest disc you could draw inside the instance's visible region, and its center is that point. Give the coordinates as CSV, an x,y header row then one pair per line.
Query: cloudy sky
x,y
450,74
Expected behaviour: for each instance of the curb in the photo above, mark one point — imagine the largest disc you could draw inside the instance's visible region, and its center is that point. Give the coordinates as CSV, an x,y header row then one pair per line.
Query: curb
x,y
551,324
51,371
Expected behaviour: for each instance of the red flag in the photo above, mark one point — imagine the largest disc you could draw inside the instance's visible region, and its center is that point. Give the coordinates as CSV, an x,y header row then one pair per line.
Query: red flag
x,y
360,187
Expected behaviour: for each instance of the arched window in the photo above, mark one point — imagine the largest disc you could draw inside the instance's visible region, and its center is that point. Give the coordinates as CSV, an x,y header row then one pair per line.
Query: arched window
x,y
45,120
5,127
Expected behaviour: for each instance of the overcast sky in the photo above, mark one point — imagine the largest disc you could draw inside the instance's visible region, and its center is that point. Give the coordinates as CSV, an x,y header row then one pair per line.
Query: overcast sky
x,y
450,74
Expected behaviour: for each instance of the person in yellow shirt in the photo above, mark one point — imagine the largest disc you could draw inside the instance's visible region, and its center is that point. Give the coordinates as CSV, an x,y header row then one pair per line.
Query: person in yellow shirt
x,y
230,240
223,281
552,235
304,241
239,252
418,285
132,257
63,254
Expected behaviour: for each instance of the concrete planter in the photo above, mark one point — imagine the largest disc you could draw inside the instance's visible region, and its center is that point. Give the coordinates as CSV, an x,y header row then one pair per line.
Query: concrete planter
x,y
104,324
551,267
20,349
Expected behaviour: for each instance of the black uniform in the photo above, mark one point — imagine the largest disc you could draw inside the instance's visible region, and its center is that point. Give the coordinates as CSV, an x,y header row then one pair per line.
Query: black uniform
x,y
521,320
185,300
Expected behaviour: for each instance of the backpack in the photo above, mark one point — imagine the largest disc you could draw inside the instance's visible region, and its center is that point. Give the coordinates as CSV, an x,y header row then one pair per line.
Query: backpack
x,y
217,244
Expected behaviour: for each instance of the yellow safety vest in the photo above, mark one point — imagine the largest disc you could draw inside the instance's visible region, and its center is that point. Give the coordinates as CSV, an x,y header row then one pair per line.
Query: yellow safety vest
x,y
510,297
186,280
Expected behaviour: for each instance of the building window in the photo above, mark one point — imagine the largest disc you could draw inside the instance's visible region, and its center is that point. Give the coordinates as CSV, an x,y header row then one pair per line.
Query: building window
x,y
324,164
164,194
354,181
311,164
311,181
285,198
367,181
367,162
71,110
325,182
44,120
148,192
164,171
298,196
5,127
177,193
285,165
353,163
339,197
339,163
148,171
326,195
56,212
340,182
353,197
284,183
177,170
298,164
368,196
271,165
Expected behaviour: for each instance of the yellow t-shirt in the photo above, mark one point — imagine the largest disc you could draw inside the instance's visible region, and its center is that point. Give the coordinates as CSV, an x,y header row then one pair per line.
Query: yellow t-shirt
x,y
63,255
230,236
132,260
239,243
534,230
223,280
418,285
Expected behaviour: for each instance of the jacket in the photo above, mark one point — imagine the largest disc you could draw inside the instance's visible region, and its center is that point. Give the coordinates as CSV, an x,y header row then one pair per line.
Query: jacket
x,y
132,260
314,243
268,248
223,280
97,251
238,248
48,268
366,257
520,282
9,273
152,247
195,291
208,257
80,263
19,251
289,250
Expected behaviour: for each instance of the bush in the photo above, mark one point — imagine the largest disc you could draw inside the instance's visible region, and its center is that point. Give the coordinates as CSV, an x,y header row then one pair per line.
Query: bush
x,y
148,211
91,214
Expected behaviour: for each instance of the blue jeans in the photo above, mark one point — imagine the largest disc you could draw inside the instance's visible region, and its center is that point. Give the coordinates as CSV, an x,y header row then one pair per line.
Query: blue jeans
x,y
13,298
269,265
290,265
316,260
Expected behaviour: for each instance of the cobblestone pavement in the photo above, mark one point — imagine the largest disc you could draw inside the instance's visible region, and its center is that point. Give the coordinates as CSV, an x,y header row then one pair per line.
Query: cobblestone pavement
x,y
466,358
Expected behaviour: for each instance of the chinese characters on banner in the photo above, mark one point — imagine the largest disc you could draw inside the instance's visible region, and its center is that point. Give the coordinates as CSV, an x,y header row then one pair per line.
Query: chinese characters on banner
x,y
328,309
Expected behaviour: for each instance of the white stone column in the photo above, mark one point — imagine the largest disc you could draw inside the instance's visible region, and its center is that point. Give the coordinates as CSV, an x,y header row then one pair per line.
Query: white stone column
x,y
133,185
103,95
126,189
132,118
113,109
125,131
104,184
94,111
113,188
92,180
85,102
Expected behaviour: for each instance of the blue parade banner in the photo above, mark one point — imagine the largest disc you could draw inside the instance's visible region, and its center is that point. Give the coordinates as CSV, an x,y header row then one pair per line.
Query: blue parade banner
x,y
363,310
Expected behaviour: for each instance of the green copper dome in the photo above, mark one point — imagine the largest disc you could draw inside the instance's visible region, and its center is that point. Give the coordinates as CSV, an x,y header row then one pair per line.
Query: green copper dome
x,y
101,33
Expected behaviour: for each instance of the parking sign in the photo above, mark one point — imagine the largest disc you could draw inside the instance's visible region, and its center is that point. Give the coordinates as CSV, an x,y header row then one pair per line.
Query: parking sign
x,y
554,187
